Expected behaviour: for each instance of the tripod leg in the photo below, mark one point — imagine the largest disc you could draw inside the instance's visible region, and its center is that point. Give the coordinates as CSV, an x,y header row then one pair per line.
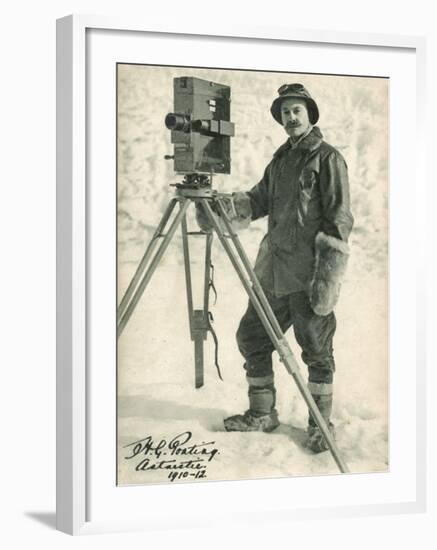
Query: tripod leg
x,y
188,282
270,323
207,277
201,320
199,337
153,264
142,265
197,320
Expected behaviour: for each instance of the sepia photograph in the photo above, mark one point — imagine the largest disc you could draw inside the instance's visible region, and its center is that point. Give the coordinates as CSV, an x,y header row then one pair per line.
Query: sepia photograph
x,y
252,274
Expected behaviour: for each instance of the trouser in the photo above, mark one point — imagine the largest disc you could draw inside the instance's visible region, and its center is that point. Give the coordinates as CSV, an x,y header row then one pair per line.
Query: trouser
x,y
314,334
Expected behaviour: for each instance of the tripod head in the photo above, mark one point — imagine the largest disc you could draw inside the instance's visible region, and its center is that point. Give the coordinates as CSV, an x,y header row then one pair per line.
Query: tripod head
x,y
195,181
195,186
199,186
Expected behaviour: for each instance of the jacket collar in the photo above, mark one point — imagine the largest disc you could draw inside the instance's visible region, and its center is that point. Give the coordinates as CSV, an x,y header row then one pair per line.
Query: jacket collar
x,y
309,143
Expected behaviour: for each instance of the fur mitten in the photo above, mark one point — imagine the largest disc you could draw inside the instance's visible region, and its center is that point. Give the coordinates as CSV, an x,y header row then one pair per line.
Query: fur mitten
x,y
330,266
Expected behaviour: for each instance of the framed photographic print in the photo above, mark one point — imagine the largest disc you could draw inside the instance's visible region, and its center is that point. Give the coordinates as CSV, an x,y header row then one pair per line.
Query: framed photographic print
x,y
232,275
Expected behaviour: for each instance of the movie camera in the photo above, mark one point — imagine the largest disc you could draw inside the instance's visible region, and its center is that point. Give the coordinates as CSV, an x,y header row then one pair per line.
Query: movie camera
x,y
201,128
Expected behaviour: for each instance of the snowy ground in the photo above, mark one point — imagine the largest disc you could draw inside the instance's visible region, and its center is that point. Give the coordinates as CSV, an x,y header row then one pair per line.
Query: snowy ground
x,y
156,394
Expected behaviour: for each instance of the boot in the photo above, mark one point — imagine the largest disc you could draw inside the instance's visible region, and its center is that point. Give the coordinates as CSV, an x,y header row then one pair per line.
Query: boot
x,y
261,415
322,395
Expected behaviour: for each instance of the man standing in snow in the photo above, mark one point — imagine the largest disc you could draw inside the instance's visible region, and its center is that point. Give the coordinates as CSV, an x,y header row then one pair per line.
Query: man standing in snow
x,y
305,194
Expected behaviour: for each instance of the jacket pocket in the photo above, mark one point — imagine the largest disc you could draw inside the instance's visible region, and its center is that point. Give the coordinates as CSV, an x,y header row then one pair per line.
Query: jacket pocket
x,y
307,213
306,189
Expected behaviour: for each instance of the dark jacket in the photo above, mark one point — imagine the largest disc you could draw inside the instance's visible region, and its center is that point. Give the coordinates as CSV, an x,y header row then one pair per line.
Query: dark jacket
x,y
304,191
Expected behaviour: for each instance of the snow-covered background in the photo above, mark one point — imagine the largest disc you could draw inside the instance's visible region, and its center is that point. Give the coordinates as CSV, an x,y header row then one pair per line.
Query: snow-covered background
x,y
156,394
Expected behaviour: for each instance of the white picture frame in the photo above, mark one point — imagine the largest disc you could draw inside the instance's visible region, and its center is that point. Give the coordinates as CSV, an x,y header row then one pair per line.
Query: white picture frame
x,y
74,340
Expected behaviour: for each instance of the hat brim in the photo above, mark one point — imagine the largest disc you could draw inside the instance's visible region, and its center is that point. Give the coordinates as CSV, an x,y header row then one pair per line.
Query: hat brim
x,y
313,110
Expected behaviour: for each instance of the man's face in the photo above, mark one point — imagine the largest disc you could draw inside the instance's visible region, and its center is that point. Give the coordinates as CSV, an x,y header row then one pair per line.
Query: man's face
x,y
294,115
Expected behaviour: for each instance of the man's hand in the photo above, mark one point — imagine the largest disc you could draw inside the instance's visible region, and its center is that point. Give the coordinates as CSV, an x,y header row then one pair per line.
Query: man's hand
x,y
242,205
237,208
242,211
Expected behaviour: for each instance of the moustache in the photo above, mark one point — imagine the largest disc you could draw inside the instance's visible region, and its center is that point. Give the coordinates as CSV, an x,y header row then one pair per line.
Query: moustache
x,y
289,125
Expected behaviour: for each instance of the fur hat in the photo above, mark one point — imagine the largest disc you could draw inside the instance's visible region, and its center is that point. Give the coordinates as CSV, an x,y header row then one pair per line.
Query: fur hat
x,y
330,266
294,90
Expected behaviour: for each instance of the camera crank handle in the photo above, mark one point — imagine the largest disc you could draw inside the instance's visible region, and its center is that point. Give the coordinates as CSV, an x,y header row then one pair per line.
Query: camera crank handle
x,y
168,157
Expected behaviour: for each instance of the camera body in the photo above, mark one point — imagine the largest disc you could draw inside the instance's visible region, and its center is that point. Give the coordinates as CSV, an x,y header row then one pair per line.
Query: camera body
x,y
200,126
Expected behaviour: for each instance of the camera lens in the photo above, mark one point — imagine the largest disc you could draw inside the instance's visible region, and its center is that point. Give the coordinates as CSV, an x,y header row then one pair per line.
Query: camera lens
x,y
176,121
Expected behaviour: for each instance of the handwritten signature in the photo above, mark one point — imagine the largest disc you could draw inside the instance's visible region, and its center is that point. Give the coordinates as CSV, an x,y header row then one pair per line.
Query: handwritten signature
x,y
180,457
